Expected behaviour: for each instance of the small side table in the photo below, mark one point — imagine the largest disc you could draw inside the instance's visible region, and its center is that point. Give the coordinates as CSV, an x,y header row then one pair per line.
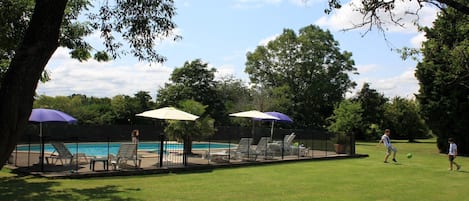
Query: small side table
x,y
105,162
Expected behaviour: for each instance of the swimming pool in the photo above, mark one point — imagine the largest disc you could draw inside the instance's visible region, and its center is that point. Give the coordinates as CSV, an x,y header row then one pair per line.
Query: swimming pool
x,y
101,148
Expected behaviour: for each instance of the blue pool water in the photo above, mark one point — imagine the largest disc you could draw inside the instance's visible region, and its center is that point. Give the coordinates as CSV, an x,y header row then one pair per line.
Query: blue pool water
x,y
101,149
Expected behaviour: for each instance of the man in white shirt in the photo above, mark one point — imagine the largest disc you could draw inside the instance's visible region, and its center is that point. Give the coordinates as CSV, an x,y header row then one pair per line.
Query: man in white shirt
x,y
389,148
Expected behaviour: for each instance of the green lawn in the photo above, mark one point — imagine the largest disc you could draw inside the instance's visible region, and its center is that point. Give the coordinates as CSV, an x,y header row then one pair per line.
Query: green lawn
x,y
424,177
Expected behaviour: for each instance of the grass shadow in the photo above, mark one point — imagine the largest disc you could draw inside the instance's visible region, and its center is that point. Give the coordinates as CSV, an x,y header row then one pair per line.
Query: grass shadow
x,y
463,171
21,188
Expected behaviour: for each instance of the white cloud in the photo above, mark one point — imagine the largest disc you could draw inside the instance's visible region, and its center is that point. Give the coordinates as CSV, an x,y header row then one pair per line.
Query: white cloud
x,y
348,16
60,54
262,3
417,40
107,79
404,85
367,68
225,70
265,41
102,79
305,3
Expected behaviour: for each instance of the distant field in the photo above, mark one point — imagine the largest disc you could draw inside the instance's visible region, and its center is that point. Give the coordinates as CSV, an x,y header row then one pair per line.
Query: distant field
x,y
424,177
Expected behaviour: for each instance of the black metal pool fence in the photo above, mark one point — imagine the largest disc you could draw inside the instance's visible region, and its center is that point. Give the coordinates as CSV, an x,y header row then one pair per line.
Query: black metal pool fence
x,y
307,143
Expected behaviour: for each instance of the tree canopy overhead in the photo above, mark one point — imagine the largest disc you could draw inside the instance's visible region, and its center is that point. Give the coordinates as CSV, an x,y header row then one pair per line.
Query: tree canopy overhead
x,y
311,65
379,12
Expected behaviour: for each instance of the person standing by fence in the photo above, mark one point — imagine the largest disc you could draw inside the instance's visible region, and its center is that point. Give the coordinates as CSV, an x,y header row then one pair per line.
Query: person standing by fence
x,y
135,134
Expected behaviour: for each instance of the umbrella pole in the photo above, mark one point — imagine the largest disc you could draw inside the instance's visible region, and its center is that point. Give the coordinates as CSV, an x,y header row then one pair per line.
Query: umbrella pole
x,y
272,130
252,129
41,155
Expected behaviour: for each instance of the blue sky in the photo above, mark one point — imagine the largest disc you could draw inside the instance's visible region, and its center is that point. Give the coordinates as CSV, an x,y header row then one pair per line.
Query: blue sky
x,y
222,32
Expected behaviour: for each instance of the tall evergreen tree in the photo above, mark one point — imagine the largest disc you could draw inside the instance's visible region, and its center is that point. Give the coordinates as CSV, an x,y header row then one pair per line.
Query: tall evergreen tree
x,y
443,76
373,105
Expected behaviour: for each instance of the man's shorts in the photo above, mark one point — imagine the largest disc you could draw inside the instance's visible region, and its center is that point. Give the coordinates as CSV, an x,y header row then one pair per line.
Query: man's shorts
x,y
451,157
391,149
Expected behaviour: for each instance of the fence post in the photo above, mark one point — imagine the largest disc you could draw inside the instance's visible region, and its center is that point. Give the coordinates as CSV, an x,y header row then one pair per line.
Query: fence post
x,y
16,154
312,144
76,154
229,148
29,148
162,137
326,139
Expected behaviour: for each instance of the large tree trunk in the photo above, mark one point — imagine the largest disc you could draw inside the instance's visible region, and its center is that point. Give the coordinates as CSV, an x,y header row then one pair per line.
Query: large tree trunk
x,y
20,82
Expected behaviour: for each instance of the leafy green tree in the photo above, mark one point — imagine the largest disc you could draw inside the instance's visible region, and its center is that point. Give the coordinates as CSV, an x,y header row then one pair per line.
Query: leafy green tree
x,y
195,81
143,99
87,110
443,76
124,109
121,109
187,130
373,105
347,118
402,116
95,114
235,96
272,98
310,65
54,23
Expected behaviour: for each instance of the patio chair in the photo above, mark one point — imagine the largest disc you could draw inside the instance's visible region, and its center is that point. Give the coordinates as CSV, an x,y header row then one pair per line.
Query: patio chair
x,y
283,147
244,148
63,154
262,149
127,152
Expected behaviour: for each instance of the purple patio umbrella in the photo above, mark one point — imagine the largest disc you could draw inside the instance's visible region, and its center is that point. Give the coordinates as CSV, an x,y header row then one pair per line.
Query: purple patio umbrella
x,y
41,115
281,118
49,115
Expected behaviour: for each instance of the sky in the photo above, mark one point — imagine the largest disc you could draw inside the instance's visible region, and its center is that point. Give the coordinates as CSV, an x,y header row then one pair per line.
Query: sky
x,y
220,33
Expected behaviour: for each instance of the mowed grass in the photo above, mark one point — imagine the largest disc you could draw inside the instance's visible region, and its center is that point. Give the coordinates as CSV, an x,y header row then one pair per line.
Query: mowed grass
x,y
423,177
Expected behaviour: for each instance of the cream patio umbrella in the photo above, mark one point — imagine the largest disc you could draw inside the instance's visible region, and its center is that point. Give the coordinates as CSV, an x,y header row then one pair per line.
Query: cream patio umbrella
x,y
169,113
255,114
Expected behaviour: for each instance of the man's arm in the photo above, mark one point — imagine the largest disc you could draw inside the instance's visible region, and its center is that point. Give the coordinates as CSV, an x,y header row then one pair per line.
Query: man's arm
x,y
380,141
